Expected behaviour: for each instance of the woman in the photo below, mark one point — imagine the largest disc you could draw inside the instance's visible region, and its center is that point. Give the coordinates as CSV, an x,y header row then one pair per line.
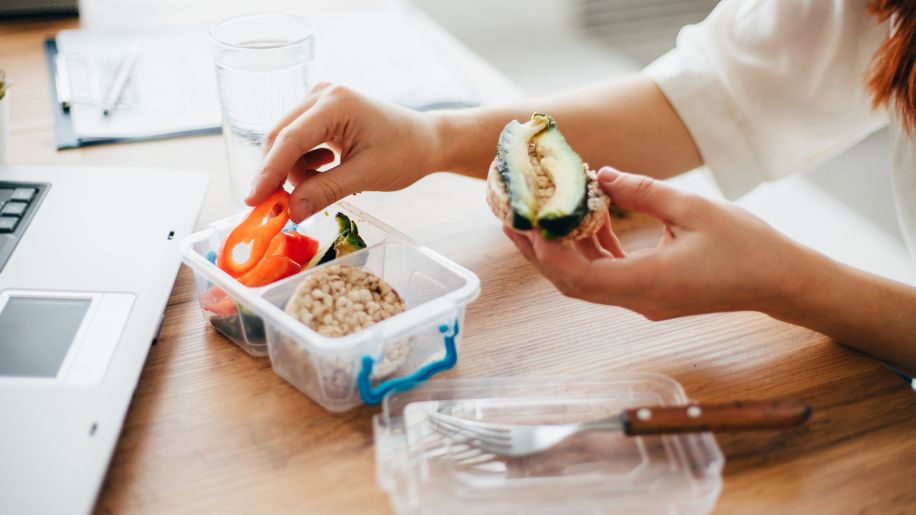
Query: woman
x,y
758,90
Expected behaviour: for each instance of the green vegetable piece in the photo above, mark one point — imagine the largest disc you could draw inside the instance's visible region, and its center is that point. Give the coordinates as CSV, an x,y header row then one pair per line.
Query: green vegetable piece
x,y
561,214
514,167
245,325
228,325
347,241
253,326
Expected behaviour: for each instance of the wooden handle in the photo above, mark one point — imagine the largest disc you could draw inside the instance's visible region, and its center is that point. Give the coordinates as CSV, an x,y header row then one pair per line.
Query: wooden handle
x,y
733,416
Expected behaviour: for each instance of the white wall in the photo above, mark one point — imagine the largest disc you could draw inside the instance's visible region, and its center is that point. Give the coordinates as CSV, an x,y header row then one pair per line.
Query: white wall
x,y
534,42
497,19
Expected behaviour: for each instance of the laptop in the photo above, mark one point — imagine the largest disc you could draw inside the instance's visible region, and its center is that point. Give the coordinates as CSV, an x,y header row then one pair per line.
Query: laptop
x,y
88,257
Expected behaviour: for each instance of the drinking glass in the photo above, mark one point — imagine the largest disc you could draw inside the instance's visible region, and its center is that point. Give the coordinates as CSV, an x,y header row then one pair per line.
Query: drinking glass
x,y
263,65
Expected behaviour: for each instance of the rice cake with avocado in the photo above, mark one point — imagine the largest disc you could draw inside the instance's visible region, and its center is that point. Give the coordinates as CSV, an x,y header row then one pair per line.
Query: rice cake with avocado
x,y
537,181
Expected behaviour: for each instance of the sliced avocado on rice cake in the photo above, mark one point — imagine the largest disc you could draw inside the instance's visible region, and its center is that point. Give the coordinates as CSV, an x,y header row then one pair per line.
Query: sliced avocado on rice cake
x,y
537,181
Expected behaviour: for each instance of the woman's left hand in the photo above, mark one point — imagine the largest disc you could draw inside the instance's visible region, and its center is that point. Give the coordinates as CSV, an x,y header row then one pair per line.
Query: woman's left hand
x,y
712,256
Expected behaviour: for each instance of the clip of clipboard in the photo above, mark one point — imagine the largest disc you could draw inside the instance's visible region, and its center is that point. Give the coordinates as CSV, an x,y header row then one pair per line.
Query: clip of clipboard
x,y
61,97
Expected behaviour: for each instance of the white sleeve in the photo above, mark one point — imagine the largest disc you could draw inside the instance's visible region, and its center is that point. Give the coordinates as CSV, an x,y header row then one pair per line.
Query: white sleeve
x,y
771,87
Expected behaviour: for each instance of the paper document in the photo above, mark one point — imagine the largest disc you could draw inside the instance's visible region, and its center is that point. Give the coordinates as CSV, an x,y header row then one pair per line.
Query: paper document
x,y
171,89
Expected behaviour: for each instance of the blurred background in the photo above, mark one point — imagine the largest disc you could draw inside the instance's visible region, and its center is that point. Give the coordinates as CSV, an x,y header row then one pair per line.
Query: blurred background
x,y
546,45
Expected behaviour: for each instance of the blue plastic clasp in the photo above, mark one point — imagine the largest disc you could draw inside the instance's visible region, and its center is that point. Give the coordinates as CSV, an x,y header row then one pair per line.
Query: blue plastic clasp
x,y
374,395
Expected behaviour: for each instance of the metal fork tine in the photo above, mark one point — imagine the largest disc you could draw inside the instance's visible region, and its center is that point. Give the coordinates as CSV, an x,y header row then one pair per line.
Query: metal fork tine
x,y
468,435
452,429
474,433
465,422
480,432
476,440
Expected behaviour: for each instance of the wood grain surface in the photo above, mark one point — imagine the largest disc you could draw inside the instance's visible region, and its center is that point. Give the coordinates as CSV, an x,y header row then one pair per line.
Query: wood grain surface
x,y
213,430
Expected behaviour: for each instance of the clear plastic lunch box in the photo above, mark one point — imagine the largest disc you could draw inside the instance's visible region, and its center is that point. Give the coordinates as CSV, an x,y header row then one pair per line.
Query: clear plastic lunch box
x,y
340,373
598,472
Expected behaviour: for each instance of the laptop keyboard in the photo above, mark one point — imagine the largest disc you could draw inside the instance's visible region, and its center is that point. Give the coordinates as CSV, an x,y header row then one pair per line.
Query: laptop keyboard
x,y
18,203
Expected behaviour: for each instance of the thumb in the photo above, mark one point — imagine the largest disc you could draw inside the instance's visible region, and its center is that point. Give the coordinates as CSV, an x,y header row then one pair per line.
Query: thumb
x,y
321,189
646,195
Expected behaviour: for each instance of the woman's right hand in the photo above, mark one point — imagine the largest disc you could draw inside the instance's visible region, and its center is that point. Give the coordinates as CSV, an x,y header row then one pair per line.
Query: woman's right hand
x,y
382,147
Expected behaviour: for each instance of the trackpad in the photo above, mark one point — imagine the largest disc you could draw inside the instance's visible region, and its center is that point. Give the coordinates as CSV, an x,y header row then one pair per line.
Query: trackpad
x,y
67,336
37,334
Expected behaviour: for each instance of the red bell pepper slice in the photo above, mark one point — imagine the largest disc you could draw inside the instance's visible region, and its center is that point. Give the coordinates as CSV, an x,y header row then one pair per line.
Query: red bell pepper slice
x,y
298,247
268,270
294,247
256,230
217,301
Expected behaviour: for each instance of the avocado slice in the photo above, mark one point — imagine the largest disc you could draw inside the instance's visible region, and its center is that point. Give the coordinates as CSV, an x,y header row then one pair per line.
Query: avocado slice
x,y
514,166
562,212
347,241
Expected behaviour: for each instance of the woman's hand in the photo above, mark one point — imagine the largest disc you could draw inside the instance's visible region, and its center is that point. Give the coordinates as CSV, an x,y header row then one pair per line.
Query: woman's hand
x,y
712,256
382,147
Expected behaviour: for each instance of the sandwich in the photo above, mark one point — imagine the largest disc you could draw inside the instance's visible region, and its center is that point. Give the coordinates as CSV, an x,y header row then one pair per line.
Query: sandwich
x,y
538,182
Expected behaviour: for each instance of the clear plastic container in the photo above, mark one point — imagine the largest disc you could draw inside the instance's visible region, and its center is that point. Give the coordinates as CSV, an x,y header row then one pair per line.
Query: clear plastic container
x,y
599,472
235,319
340,373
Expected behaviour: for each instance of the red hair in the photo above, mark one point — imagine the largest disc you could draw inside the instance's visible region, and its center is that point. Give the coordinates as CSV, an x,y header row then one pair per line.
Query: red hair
x,y
892,79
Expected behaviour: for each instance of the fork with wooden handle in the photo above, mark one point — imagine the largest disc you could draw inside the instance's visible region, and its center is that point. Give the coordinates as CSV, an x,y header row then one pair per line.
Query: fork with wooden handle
x,y
523,439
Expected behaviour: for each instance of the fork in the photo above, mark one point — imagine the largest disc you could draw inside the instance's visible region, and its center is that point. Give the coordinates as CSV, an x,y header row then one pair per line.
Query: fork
x,y
524,439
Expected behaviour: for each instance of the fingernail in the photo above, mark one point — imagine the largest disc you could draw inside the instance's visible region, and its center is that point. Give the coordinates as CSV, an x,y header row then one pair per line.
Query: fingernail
x,y
607,174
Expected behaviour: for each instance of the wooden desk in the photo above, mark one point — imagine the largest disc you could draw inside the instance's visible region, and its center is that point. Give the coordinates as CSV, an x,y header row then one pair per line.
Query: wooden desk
x,y
212,429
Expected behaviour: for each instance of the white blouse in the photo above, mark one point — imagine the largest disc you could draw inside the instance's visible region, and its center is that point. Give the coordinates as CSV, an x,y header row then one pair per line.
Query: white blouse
x,y
772,87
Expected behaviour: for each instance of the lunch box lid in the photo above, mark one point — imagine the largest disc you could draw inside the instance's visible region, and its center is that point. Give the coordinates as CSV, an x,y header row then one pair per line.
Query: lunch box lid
x,y
594,472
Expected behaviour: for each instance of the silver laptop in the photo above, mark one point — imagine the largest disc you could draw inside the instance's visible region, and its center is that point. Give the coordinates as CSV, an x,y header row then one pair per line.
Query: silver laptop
x,y
88,257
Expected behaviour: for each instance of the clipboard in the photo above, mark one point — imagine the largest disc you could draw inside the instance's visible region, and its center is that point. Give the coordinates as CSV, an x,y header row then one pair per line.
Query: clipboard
x,y
66,135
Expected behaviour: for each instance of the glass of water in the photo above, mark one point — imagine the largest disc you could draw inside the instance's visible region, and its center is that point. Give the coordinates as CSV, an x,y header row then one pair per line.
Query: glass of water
x,y
263,65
